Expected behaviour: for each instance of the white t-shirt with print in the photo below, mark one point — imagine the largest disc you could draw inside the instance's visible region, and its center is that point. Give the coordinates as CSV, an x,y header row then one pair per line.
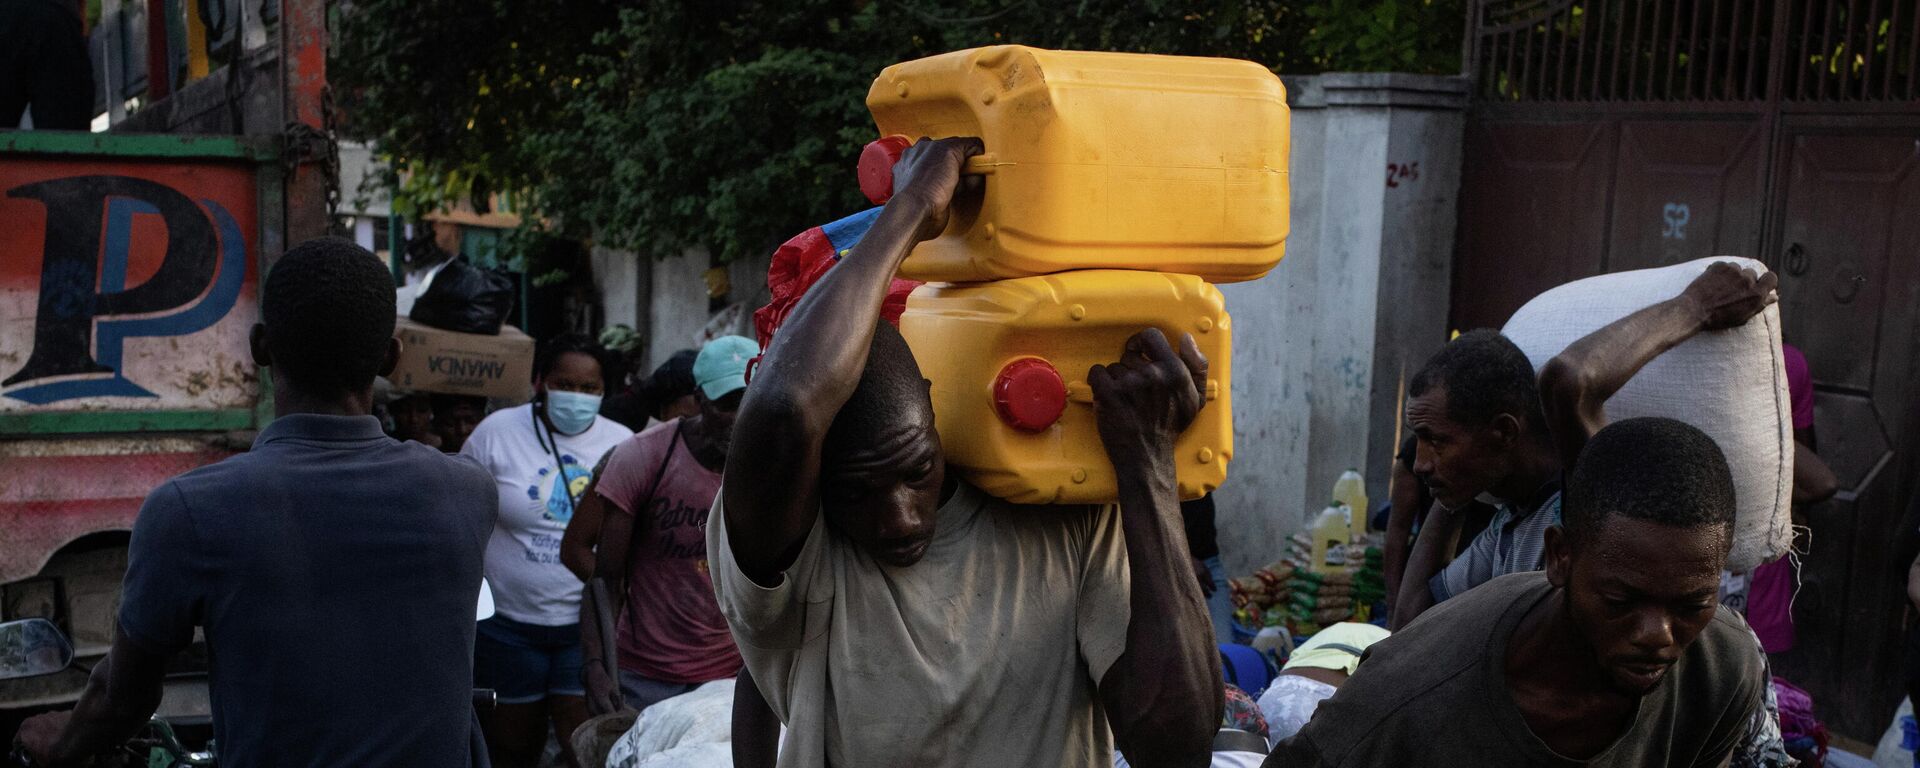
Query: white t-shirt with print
x,y
536,501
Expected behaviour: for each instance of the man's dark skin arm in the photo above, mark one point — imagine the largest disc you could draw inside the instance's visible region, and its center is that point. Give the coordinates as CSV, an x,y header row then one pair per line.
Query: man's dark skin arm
x,y
1813,480
756,732
1163,695
581,538
609,562
813,365
1432,550
121,694
1575,385
1403,492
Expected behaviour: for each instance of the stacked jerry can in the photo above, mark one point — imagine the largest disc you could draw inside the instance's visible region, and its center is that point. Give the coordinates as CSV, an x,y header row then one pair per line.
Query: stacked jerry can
x,y
1119,188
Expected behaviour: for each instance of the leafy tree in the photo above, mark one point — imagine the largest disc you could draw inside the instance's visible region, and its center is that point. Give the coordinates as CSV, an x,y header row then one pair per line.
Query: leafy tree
x,y
733,124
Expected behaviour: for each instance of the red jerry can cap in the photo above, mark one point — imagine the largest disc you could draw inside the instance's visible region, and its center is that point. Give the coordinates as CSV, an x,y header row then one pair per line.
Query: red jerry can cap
x,y
876,167
1029,394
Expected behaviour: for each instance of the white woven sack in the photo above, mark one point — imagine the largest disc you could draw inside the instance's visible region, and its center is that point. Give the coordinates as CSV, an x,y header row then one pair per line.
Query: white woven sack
x,y
703,716
1730,384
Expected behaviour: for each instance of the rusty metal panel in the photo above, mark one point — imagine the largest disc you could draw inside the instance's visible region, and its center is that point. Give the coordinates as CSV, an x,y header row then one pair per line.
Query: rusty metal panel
x,y
55,491
1848,252
127,285
1686,189
312,186
1835,240
1532,214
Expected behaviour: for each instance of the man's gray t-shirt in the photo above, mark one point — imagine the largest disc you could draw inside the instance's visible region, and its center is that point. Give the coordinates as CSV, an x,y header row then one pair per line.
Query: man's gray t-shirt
x,y
335,571
1514,542
1435,694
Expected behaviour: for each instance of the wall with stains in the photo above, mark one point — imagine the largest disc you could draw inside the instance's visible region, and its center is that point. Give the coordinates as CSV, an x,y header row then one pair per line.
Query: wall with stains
x,y
678,307
1322,346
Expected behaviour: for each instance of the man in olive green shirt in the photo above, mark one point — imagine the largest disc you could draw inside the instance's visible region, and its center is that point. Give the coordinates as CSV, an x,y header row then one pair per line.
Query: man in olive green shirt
x,y
1614,656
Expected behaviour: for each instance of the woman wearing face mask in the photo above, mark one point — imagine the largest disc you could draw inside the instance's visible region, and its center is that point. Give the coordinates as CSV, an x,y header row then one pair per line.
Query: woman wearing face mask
x,y
542,457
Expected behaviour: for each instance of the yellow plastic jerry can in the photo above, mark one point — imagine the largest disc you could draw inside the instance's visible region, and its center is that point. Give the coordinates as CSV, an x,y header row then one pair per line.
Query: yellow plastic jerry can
x,y
1100,161
1009,360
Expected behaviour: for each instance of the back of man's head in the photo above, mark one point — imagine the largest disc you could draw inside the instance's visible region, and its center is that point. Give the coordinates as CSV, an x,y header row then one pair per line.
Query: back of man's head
x,y
1484,375
328,309
1658,470
891,391
673,379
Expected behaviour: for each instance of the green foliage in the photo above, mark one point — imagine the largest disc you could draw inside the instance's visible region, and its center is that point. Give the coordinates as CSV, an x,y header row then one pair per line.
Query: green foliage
x,y
1386,35
734,124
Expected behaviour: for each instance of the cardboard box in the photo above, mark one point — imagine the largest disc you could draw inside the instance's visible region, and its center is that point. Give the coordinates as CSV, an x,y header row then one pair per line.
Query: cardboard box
x,y
433,360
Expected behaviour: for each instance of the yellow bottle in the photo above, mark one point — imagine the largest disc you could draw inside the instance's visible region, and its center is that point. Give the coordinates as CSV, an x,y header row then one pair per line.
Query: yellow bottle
x,y
1100,160
1351,491
1330,537
1009,360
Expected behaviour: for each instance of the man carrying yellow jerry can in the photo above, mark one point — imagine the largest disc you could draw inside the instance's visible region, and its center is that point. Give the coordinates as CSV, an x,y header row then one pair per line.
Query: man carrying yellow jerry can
x,y
1013,587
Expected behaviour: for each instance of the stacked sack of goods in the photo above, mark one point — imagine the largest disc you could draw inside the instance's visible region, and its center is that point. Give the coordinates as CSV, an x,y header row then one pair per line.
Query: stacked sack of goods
x,y
1260,600
1302,599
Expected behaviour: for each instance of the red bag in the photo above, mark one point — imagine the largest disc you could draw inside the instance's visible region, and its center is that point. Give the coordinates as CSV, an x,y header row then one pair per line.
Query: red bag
x,y
803,260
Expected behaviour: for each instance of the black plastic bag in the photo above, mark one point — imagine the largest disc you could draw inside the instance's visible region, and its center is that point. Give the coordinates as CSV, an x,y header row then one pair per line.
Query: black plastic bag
x,y
465,299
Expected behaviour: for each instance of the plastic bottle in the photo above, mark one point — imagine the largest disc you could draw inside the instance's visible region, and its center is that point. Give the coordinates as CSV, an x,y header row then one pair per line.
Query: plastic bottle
x,y
1351,490
1330,536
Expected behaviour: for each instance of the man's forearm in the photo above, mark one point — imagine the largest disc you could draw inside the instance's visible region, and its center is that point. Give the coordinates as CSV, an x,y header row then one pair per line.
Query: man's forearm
x,y
576,551
105,716
1398,544
756,731
593,650
823,345
1575,384
1913,583
1430,554
1163,695
577,541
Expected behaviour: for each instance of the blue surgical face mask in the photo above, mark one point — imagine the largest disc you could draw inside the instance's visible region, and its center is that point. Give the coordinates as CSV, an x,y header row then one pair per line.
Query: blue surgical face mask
x,y
571,412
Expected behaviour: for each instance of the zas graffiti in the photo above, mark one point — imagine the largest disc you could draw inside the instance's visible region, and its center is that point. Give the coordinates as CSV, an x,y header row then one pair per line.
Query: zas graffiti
x,y
126,286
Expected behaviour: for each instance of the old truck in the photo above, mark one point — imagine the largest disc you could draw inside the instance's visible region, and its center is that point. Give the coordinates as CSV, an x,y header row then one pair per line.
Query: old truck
x,y
130,266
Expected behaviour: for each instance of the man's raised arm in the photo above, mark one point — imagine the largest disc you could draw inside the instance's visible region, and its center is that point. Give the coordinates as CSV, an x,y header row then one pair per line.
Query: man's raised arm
x,y
1575,385
1163,695
812,366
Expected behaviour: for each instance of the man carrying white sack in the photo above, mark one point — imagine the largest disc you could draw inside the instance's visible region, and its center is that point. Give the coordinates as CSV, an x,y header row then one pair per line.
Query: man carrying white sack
x,y
1485,426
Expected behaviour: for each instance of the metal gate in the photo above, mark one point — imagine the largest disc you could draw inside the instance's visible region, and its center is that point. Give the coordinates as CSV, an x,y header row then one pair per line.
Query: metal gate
x,y
1617,134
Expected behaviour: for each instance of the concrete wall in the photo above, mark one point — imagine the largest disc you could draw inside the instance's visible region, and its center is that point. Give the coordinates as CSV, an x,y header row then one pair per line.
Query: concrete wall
x,y
623,278
1322,346
677,307
673,305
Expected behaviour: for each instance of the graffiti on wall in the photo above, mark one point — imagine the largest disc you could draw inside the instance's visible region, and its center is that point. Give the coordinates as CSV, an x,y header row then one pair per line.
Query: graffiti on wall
x,y
127,290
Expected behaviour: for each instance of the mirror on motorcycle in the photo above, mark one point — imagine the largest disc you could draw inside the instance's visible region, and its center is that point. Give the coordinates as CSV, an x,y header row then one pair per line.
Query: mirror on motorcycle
x,y
32,647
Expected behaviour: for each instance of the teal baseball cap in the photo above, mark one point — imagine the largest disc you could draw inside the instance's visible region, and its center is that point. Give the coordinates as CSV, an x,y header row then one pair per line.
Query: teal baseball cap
x,y
721,368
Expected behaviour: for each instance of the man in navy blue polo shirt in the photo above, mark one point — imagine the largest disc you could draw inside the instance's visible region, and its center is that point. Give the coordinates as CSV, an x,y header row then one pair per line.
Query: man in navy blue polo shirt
x,y
333,569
